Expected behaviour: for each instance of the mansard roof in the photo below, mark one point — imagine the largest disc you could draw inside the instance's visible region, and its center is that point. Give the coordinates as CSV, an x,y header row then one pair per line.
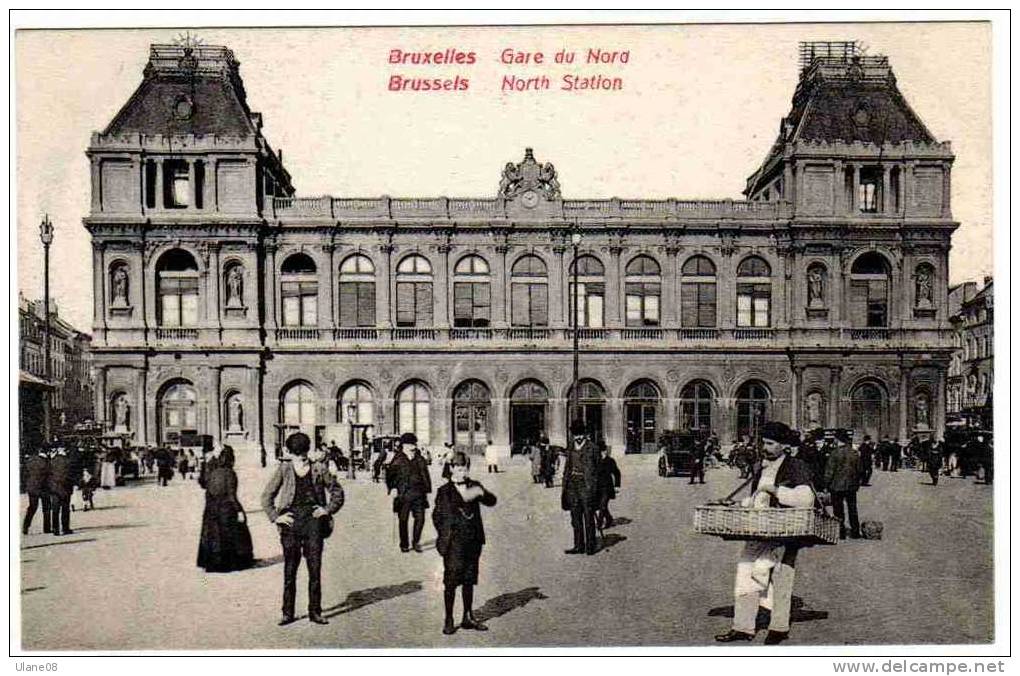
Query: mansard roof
x,y
188,89
844,99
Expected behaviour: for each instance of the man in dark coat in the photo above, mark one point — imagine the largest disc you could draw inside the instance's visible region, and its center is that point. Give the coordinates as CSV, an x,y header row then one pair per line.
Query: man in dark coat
x,y
580,489
867,455
842,479
933,459
608,482
698,470
548,461
885,452
61,483
409,474
460,536
37,468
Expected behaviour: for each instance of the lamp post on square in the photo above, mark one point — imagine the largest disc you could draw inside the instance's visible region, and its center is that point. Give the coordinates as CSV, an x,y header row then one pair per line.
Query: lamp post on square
x,y
575,240
46,236
352,411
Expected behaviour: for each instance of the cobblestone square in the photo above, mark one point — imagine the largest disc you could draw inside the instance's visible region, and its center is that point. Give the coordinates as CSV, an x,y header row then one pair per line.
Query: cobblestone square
x,y
126,579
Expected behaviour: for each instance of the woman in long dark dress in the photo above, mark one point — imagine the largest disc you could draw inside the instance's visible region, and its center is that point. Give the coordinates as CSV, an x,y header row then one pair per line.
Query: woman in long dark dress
x,y
458,521
225,544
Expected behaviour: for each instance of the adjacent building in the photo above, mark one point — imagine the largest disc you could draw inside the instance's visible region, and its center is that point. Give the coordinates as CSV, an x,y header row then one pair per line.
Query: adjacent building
x,y
69,381
226,305
970,384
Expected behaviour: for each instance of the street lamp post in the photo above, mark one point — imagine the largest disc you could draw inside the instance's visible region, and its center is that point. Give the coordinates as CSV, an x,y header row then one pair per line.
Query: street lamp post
x,y
46,236
575,239
352,410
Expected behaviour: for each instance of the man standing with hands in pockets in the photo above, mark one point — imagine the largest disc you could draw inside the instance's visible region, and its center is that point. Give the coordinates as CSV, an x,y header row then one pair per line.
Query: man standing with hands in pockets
x,y
295,499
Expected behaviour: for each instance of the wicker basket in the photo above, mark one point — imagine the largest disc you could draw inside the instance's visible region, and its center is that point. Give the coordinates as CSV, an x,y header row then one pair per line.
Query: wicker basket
x,y
801,526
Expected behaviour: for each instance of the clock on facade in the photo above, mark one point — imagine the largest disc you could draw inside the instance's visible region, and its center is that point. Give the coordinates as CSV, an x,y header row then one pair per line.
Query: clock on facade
x,y
529,199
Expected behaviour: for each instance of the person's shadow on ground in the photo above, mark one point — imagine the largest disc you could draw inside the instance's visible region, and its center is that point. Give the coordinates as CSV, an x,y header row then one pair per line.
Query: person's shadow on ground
x,y
611,540
504,603
798,613
366,597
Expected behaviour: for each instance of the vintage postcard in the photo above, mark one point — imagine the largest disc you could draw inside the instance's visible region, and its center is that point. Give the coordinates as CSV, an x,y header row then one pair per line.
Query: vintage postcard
x,y
465,337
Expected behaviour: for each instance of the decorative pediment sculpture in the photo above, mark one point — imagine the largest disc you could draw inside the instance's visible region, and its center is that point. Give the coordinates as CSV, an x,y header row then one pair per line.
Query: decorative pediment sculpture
x,y
528,179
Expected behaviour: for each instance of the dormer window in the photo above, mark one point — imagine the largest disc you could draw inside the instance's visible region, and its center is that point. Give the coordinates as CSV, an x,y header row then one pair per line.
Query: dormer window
x,y
176,184
869,190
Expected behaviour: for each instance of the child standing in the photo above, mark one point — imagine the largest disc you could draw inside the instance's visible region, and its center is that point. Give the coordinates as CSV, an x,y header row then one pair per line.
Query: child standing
x,y
458,521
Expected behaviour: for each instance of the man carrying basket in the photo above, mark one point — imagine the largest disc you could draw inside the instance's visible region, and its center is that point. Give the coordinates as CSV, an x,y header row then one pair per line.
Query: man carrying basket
x,y
765,570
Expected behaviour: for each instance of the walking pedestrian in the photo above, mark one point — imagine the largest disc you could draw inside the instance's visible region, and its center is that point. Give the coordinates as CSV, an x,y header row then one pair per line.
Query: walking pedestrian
x,y
225,543
535,456
460,537
295,499
866,451
61,481
608,483
895,456
933,460
408,473
784,481
108,470
182,464
164,466
37,470
548,459
842,479
580,489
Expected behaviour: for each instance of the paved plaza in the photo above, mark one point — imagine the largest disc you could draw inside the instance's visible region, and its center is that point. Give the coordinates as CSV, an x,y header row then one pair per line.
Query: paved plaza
x,y
126,579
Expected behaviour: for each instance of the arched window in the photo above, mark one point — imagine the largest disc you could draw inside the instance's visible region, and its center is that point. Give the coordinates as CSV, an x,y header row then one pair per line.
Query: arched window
x,y
357,292
644,290
696,406
471,403
178,411
414,292
177,285
869,291
591,404
529,292
299,291
356,398
299,405
529,401
753,399
697,293
591,291
754,293
471,292
413,411
869,410
641,404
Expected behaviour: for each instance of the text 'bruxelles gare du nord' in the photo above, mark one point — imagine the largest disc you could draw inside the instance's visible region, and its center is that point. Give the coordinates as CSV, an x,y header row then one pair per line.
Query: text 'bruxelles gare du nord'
x,y
568,82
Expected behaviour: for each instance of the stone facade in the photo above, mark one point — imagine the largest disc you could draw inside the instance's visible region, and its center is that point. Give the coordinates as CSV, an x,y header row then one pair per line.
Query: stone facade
x,y
971,369
226,305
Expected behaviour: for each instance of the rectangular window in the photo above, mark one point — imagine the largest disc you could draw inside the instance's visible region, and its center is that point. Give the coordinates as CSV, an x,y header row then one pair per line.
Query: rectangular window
x,y
300,303
178,302
869,190
150,184
199,184
869,303
529,304
176,184
642,304
754,303
357,304
471,304
414,304
590,305
697,305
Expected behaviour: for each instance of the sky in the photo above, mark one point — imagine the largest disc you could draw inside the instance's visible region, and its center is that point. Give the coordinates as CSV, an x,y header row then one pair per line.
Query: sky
x,y
699,108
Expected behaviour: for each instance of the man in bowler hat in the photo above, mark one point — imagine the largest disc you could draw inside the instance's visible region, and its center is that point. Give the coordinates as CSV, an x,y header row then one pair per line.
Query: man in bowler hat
x,y
61,483
580,489
409,475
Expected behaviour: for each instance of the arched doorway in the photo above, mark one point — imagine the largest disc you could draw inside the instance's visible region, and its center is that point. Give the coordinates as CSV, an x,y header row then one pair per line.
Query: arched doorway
x,y
471,403
641,405
591,406
528,403
696,406
869,410
753,400
178,411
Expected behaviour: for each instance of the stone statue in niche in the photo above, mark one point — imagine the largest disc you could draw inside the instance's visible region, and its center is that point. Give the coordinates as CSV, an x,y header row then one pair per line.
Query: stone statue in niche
x,y
816,287
923,291
235,287
921,411
235,413
121,413
813,410
120,286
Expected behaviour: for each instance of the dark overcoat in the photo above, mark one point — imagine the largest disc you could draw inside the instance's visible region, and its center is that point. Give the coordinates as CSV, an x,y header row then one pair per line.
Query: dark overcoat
x,y
37,470
61,477
580,476
459,528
